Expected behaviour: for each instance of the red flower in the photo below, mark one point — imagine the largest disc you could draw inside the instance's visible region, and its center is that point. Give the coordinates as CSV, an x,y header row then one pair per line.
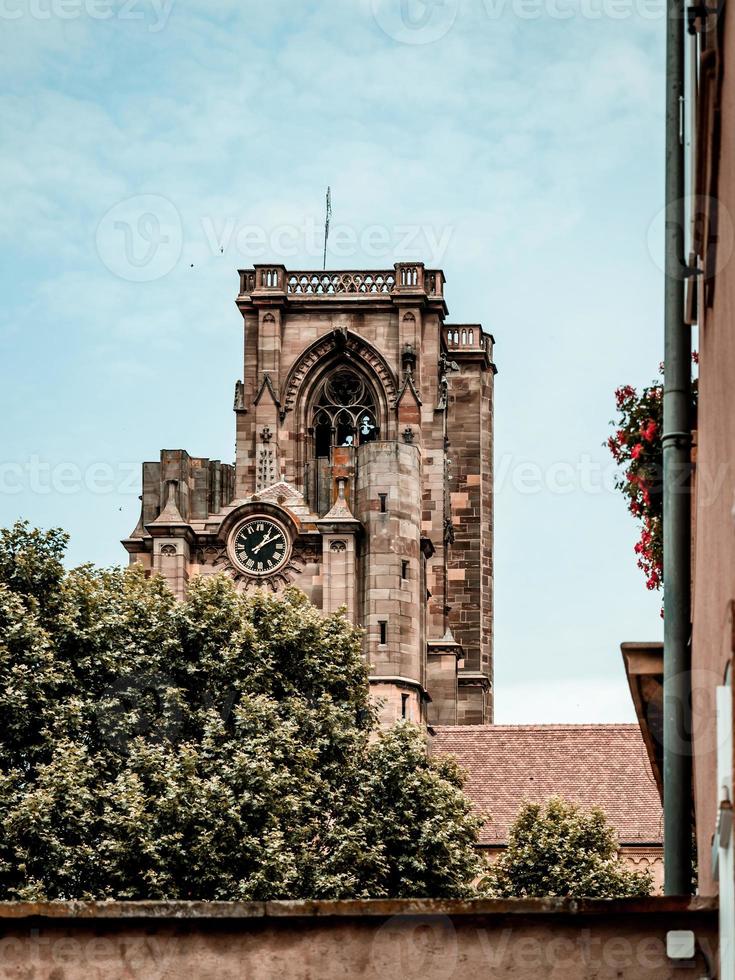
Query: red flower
x,y
636,448
649,431
623,394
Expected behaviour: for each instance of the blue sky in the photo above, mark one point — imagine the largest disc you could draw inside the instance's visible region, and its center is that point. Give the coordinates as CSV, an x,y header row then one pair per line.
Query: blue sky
x,y
518,144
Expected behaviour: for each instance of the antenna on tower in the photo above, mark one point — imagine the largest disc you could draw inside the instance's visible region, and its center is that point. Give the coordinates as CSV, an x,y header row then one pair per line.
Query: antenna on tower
x,y
326,223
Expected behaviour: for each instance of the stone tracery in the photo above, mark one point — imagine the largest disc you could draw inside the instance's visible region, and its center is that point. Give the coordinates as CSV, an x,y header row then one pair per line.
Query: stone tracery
x,y
344,412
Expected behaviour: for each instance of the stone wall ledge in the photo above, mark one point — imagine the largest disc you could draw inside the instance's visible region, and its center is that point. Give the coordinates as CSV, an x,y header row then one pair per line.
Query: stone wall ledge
x,y
559,908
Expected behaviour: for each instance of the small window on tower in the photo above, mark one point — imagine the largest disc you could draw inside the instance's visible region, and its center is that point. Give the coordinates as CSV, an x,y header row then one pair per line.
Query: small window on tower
x,y
404,569
383,632
404,706
383,497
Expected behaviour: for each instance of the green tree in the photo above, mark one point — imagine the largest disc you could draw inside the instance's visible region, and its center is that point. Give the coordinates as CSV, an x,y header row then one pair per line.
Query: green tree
x,y
219,748
559,849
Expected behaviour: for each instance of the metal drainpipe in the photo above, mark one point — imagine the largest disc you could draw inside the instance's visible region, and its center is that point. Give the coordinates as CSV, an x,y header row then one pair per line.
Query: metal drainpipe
x,y
676,488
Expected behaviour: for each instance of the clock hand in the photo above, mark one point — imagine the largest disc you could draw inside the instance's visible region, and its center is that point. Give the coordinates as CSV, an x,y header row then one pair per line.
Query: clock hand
x,y
264,542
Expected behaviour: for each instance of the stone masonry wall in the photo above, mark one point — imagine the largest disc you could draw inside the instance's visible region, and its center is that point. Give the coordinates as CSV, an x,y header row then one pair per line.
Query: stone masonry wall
x,y
413,940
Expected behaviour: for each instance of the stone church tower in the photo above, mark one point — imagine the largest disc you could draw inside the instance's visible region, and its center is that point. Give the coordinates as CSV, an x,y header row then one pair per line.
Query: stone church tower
x,y
363,475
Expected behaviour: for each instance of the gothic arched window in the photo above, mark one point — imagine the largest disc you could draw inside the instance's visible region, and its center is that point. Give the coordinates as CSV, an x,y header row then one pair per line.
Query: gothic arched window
x,y
344,413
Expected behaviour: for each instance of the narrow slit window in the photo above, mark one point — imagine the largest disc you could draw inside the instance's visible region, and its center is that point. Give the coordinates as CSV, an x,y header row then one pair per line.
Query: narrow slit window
x,y
404,569
404,706
383,502
383,632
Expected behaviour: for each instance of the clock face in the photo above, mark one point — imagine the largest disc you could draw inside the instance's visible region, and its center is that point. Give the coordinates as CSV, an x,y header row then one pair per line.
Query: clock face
x,y
260,546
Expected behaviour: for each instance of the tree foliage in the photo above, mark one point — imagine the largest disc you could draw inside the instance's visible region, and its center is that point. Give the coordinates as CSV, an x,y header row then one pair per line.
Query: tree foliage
x,y
219,748
559,849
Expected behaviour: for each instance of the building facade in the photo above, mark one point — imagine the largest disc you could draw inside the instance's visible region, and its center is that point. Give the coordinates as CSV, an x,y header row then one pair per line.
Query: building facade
x,y
711,306
709,282
362,475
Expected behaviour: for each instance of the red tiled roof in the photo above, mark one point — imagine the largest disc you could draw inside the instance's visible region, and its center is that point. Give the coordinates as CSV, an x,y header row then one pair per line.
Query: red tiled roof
x,y
602,765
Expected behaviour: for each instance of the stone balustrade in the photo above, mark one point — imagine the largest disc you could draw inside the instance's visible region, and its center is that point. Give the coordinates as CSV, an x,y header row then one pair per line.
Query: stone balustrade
x,y
324,284
466,337
410,278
